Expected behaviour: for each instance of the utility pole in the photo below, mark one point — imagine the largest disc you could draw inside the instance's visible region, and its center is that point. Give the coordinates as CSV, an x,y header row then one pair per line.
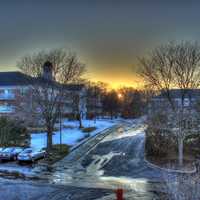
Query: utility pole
x,y
95,103
60,117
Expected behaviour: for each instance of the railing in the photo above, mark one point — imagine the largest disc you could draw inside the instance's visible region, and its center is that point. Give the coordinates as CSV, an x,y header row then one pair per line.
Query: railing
x,y
6,109
7,96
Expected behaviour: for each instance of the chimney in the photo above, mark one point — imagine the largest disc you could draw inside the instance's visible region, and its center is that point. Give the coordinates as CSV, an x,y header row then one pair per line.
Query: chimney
x,y
47,70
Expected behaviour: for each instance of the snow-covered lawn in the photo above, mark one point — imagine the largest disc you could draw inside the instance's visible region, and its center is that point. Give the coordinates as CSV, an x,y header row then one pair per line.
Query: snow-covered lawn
x,y
71,135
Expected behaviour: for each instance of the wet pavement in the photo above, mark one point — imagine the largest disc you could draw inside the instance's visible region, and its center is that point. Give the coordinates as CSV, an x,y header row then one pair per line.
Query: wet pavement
x,y
119,154
111,160
26,190
117,161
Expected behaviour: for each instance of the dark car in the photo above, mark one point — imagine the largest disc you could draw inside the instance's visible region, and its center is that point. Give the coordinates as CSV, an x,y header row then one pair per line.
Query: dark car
x,y
10,153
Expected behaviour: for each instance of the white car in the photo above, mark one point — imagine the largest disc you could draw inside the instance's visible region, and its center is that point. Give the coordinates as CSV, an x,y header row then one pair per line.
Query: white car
x,y
31,154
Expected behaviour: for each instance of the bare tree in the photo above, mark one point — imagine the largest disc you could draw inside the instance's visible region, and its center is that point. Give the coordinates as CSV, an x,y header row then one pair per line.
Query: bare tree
x,y
175,65
77,109
172,66
48,94
48,98
132,102
181,186
66,66
110,103
95,93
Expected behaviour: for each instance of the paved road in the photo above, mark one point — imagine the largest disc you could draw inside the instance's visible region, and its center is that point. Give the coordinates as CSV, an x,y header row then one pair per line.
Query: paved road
x,y
110,161
117,159
26,190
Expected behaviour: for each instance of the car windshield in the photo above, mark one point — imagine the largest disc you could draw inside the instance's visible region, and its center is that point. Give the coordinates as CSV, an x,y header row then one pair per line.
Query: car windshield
x,y
17,149
8,150
28,151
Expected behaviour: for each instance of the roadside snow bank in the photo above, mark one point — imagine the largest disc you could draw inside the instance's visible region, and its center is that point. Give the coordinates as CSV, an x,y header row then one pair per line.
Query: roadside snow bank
x,y
70,135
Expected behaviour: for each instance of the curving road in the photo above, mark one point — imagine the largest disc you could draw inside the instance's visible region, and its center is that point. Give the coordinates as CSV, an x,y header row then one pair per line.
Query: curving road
x,y
94,170
117,161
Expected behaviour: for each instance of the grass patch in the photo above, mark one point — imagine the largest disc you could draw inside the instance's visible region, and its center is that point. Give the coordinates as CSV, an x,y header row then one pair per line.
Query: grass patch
x,y
171,162
68,126
38,129
57,153
88,129
80,139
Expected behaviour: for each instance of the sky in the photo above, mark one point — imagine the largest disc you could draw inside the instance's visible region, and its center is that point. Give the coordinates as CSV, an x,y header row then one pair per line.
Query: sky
x,y
107,35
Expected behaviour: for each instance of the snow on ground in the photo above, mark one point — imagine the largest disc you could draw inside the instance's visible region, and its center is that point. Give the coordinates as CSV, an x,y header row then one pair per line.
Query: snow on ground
x,y
71,135
6,109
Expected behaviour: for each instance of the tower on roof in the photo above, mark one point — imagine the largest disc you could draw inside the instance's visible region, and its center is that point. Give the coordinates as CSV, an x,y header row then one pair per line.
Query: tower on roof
x,y
47,70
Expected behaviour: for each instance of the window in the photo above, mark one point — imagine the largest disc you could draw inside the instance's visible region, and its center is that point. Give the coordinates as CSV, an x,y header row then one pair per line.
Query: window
x,y
23,91
6,91
186,102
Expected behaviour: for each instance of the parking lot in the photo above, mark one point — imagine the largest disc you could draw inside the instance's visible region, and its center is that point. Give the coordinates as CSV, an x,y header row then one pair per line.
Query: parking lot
x,y
13,170
14,166
21,164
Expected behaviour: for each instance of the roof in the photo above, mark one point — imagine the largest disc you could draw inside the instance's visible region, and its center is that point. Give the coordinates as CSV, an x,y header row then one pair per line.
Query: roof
x,y
73,87
177,93
17,78
13,79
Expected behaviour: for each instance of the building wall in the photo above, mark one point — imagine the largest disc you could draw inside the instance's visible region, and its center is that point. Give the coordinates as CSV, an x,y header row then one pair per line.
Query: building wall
x,y
11,98
160,104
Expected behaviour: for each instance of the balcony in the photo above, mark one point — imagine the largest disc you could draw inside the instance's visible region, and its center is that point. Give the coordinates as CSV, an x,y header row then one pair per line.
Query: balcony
x,y
9,96
6,109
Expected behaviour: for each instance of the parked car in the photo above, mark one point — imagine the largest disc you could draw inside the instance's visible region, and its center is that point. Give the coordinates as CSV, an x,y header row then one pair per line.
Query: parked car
x,y
31,154
10,153
1,149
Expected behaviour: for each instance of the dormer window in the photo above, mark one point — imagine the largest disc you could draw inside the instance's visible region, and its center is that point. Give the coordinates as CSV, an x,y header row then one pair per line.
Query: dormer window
x,y
6,91
186,102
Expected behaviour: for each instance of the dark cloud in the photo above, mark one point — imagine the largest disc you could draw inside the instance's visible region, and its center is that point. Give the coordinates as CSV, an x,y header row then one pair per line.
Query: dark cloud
x,y
107,34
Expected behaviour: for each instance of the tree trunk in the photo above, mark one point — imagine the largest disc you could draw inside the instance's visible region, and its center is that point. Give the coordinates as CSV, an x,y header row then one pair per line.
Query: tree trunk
x,y
49,139
111,115
80,120
180,151
80,123
181,138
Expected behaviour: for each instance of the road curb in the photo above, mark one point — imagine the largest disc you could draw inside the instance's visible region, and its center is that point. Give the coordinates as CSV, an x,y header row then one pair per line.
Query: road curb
x,y
84,141
89,138
170,170
88,144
